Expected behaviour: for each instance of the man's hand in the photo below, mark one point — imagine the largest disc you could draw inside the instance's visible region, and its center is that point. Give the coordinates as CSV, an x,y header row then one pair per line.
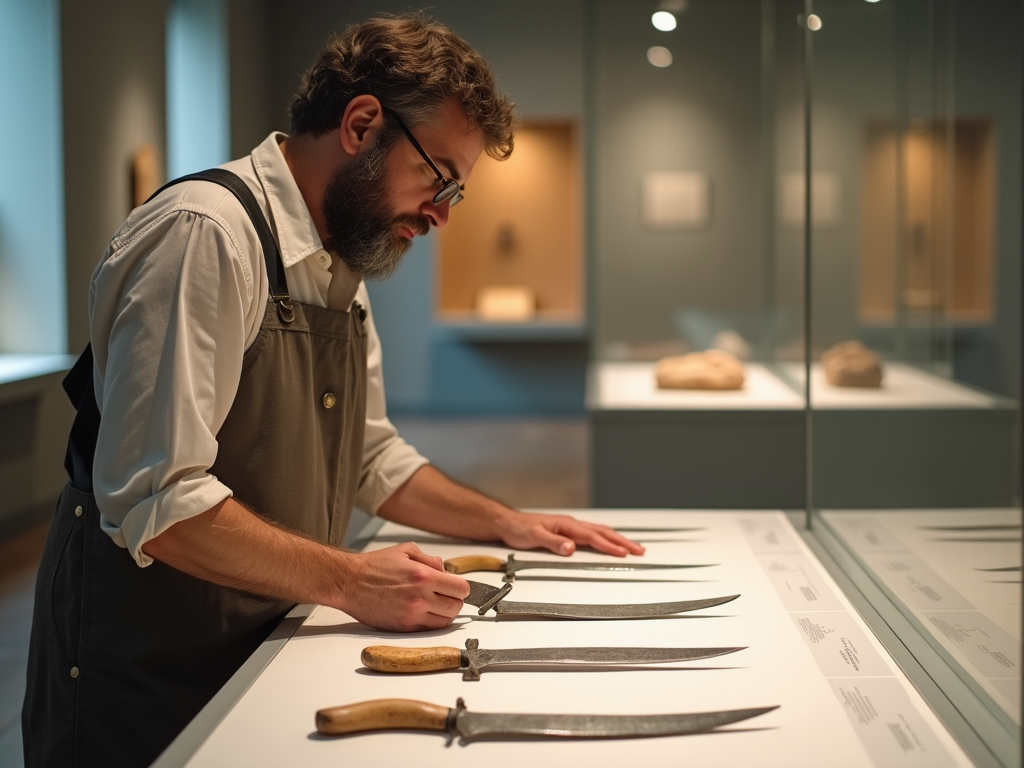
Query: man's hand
x,y
562,534
432,502
398,588
401,589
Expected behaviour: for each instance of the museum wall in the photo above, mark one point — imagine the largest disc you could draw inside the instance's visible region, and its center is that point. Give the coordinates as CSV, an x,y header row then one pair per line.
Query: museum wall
x,y
114,101
701,114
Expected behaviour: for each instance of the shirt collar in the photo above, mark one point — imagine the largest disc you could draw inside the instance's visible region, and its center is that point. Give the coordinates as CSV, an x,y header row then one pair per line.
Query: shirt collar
x,y
296,233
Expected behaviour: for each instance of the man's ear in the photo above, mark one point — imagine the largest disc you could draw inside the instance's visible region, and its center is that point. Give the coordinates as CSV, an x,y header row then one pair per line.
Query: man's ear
x,y
362,121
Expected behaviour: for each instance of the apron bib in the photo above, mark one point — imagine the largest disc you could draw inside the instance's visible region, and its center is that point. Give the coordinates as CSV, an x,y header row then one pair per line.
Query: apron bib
x,y
122,657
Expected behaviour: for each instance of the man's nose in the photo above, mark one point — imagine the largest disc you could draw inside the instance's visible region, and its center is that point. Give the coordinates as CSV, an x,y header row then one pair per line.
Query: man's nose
x,y
437,213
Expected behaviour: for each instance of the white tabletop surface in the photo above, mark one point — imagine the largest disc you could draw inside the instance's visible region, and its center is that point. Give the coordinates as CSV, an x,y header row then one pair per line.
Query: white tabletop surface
x,y
903,387
931,564
843,701
633,386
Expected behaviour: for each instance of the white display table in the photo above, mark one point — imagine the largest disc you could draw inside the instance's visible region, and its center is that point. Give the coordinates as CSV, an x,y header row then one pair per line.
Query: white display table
x,y
920,440
632,386
843,701
689,448
903,387
936,566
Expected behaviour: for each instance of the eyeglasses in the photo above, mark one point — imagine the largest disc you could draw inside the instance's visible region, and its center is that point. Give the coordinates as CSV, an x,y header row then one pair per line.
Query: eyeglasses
x,y
450,190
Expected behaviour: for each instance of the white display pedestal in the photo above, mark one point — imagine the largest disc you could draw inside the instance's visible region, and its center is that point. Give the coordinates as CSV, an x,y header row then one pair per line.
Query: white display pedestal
x,y
739,449
920,440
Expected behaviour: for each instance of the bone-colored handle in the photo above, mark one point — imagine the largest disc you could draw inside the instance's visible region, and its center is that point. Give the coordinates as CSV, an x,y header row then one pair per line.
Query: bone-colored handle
x,y
390,658
468,563
382,714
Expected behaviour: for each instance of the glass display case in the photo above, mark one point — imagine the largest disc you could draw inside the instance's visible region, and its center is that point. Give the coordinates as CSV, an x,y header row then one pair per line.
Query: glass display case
x,y
830,191
689,127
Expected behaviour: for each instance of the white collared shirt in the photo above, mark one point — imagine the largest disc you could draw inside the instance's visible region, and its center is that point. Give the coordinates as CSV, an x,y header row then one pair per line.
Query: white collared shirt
x,y
176,300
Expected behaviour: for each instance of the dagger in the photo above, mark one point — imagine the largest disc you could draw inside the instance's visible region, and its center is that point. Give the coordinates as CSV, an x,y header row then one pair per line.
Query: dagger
x,y
469,563
991,527
1007,568
387,714
474,660
485,597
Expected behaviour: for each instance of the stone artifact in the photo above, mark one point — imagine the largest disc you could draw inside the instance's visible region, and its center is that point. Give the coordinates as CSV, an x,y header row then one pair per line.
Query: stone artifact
x,y
731,342
851,364
714,369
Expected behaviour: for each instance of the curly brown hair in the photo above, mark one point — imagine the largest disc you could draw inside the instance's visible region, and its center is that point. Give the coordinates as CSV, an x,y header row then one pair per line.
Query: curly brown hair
x,y
413,64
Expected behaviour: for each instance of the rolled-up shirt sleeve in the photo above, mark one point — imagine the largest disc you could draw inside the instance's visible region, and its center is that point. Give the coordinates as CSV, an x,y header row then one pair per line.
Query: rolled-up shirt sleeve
x,y
388,461
169,335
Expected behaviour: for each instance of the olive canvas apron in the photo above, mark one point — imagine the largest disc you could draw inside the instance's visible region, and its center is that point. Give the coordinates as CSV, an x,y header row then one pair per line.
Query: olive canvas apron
x,y
122,657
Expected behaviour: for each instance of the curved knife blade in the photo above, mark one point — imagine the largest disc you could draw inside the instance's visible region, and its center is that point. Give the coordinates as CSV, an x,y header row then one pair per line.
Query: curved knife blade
x,y
486,597
480,659
475,725
513,565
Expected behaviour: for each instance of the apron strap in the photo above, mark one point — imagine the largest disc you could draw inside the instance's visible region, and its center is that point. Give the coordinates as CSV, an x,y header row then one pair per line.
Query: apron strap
x,y
78,384
271,253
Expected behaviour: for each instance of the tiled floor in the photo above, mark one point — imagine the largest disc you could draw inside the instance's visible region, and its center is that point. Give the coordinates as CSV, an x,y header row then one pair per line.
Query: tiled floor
x,y
525,463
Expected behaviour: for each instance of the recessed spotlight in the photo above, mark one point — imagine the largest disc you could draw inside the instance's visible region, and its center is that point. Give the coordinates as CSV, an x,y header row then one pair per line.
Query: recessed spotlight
x,y
659,56
664,21
813,22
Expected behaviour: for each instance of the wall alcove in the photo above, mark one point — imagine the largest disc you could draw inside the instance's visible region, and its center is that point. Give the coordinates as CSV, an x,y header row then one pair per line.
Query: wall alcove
x,y
517,238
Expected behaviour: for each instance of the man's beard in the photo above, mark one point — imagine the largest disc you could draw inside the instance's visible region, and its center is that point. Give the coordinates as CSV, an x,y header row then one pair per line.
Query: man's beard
x,y
361,230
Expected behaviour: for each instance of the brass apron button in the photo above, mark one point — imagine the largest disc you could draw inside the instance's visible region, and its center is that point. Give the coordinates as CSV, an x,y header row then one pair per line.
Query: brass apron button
x,y
78,511
74,672
329,400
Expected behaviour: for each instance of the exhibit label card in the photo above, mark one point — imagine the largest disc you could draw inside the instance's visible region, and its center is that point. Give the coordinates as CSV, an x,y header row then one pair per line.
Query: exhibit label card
x,y
767,533
839,645
890,728
916,584
798,583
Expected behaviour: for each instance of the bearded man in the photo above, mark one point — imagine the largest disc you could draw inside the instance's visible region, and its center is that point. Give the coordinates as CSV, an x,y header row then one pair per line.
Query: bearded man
x,y
232,411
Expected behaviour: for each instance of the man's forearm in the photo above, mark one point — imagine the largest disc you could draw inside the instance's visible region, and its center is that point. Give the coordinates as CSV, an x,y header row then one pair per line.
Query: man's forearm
x,y
432,502
396,588
231,546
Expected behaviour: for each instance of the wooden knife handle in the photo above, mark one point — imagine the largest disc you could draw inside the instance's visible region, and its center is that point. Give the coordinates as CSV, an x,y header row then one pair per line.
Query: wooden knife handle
x,y
468,563
382,714
390,658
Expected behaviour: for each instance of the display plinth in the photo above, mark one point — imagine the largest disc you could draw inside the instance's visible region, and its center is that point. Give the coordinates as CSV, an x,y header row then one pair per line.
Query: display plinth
x,y
739,449
920,440
842,700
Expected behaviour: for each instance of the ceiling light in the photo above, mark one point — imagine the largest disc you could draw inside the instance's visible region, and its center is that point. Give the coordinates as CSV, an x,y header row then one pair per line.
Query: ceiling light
x,y
659,56
664,21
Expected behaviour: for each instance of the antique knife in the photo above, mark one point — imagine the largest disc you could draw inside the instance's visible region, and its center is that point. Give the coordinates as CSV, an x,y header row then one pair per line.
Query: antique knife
x,y
1007,568
387,714
991,527
485,597
653,529
474,660
469,563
